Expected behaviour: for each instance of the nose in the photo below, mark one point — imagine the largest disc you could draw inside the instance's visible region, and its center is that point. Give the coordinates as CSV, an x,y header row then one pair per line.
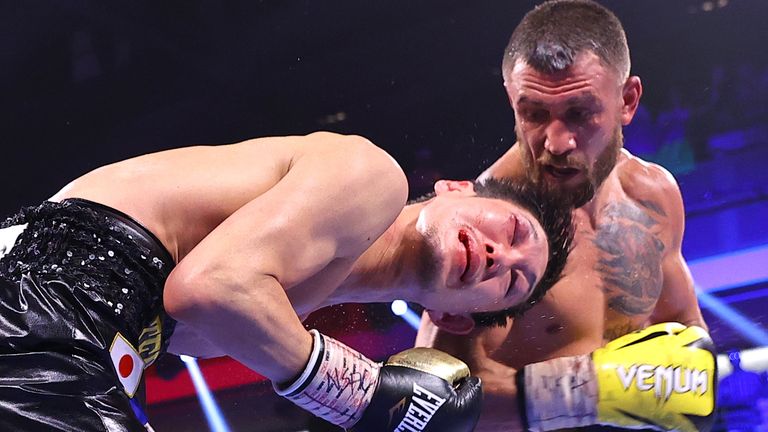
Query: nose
x,y
560,140
500,258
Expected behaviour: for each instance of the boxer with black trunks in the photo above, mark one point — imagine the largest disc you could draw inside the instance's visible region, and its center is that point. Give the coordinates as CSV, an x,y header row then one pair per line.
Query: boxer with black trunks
x,y
236,243
79,279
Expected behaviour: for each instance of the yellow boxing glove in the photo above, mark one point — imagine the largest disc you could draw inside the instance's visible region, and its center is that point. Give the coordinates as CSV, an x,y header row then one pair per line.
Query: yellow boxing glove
x,y
662,377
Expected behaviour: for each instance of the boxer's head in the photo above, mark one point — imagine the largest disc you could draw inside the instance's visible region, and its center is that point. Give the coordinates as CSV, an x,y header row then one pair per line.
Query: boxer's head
x,y
566,73
488,247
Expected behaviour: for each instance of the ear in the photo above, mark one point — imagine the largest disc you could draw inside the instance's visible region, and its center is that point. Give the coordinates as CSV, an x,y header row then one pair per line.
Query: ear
x,y
631,93
464,187
457,324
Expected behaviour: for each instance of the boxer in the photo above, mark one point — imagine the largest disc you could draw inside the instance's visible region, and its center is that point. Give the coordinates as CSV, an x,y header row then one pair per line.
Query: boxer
x,y
566,72
214,250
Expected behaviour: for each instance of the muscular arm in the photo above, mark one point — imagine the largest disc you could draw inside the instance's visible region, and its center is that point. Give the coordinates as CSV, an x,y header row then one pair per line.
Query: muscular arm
x,y
338,195
677,301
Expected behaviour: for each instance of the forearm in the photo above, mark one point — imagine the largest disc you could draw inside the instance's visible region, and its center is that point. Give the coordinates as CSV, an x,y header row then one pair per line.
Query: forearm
x,y
500,402
623,383
255,325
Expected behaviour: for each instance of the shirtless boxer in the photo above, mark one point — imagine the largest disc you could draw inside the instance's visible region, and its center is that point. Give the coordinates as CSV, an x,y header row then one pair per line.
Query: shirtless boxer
x,y
264,232
566,73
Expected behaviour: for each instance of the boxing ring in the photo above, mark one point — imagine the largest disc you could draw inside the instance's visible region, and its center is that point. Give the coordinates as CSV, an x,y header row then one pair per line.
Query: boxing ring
x,y
86,84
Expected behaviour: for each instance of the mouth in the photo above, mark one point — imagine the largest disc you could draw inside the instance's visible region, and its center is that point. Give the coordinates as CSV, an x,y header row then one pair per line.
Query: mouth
x,y
464,239
561,173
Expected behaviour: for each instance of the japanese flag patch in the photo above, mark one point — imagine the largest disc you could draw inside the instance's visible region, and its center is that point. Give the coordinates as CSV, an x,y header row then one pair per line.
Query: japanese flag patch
x,y
128,364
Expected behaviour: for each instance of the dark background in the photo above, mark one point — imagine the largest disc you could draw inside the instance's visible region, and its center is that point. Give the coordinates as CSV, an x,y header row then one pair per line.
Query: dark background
x,y
84,83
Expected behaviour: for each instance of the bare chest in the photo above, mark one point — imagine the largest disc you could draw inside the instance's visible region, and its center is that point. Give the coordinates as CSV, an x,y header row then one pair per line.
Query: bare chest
x,y
611,284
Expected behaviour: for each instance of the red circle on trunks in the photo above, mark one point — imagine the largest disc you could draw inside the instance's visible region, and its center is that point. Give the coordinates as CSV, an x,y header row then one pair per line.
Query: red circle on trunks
x,y
126,365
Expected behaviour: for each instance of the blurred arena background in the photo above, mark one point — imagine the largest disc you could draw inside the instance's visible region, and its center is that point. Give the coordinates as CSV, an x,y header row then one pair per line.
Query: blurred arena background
x,y
86,82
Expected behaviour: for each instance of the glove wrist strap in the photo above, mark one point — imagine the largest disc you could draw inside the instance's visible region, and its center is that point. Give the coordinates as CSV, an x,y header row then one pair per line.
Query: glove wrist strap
x,y
309,370
337,384
522,407
561,393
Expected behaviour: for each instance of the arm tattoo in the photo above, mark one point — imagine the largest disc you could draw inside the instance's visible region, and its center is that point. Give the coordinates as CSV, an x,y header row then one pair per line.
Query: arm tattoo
x,y
630,258
654,207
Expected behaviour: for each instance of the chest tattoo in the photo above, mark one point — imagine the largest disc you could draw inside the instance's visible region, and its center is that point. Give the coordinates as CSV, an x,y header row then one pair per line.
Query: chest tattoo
x,y
629,256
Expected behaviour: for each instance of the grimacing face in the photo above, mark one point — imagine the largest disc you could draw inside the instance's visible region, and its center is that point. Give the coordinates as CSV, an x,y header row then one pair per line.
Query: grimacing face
x,y
569,123
487,253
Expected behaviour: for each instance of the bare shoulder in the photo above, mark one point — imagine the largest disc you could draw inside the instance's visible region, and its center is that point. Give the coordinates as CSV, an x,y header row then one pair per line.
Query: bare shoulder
x,y
356,186
356,157
649,184
361,170
654,188
186,192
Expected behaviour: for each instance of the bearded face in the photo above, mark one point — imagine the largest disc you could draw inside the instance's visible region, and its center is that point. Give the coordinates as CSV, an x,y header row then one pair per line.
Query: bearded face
x,y
568,124
570,176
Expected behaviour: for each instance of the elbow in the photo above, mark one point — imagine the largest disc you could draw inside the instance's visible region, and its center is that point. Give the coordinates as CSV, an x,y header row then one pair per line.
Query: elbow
x,y
184,298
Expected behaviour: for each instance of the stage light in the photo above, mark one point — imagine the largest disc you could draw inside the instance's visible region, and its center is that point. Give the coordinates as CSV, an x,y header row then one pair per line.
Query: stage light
x,y
731,269
213,415
749,329
401,309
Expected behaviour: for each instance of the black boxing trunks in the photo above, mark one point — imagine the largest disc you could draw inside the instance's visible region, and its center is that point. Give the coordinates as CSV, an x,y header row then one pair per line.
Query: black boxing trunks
x,y
81,316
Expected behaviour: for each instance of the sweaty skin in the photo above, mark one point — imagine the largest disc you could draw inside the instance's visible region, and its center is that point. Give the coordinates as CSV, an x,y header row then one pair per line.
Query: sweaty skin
x,y
256,243
626,269
268,230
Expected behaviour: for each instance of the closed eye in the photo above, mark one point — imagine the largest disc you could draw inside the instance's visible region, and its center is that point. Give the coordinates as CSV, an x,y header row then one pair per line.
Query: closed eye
x,y
511,286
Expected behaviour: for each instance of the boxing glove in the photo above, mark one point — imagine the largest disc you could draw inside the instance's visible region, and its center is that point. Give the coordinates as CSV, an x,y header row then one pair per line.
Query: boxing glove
x,y
662,378
420,389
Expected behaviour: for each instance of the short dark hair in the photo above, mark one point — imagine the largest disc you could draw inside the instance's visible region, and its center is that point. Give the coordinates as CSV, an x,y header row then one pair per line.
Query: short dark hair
x,y
551,36
555,218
